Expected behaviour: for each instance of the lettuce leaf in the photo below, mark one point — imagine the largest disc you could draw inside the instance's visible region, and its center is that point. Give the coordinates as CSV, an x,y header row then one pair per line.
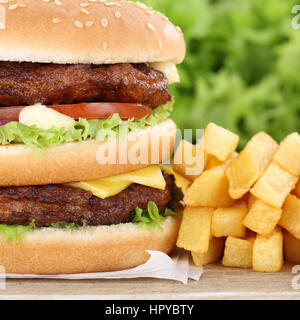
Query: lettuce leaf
x,y
83,129
69,225
150,219
15,233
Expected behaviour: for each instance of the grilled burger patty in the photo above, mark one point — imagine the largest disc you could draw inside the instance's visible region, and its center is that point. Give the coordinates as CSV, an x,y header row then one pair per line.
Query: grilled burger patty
x,y
49,204
25,83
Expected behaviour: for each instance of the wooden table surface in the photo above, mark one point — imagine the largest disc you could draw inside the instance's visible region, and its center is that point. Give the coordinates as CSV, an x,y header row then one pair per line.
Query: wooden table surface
x,y
217,282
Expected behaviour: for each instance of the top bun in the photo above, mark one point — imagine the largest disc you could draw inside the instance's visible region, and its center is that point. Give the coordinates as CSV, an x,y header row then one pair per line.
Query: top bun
x,y
87,31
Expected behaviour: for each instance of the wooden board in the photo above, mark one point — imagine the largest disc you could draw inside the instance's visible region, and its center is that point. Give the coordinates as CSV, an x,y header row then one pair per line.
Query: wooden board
x,y
217,282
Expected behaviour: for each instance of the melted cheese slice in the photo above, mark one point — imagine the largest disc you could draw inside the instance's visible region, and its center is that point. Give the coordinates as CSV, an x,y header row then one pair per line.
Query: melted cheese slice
x,y
107,187
180,181
168,69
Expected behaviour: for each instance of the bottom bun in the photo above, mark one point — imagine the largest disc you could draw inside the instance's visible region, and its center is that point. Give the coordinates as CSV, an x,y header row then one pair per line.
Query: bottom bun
x,y
92,249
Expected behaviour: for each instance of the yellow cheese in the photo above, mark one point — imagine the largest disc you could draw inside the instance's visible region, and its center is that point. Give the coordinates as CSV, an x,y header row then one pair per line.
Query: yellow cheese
x,y
107,187
180,181
168,69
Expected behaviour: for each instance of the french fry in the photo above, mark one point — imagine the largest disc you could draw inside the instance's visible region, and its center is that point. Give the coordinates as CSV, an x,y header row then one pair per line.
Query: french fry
x,y
250,200
250,164
297,190
189,160
214,253
262,218
211,162
219,142
288,154
290,218
210,189
229,221
268,252
291,246
274,185
195,229
238,252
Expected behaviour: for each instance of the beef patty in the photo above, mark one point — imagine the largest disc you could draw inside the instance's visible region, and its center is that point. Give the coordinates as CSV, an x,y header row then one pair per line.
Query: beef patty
x,y
49,204
25,83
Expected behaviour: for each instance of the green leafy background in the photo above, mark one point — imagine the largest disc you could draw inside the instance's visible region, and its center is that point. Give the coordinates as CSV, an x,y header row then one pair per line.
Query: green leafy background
x,y
242,68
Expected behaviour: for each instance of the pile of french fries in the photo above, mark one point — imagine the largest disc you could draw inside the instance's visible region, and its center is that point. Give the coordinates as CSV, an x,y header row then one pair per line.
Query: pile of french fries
x,y
241,208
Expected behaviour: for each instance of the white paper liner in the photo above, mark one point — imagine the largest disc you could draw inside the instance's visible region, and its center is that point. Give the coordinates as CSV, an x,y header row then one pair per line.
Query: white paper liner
x,y
159,265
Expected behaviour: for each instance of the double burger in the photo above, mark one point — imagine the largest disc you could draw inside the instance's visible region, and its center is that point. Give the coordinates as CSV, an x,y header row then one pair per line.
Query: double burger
x,y
79,80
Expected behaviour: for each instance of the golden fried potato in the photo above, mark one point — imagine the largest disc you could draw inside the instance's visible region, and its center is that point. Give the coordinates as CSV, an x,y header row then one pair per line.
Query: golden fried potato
x,y
268,252
189,160
238,252
250,200
229,221
250,164
262,218
195,229
274,185
214,253
290,218
211,162
210,189
291,246
288,154
297,190
219,142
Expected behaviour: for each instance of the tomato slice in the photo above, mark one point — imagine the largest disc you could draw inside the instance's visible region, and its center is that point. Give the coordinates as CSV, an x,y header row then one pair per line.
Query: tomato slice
x,y
87,111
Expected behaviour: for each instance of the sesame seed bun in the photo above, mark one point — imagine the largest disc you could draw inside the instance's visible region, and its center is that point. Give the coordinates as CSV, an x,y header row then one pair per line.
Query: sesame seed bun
x,y
92,249
86,31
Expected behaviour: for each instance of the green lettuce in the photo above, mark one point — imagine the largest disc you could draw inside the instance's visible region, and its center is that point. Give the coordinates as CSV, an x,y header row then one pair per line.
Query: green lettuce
x,y
15,233
150,219
69,225
83,129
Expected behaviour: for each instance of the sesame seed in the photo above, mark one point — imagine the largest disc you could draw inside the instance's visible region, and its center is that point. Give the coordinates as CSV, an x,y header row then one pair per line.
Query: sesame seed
x,y
102,0
118,14
89,23
78,24
141,5
150,12
2,18
92,0
85,11
150,27
84,4
178,29
12,6
56,20
104,46
104,22
57,2
3,1
109,4
159,44
22,5
46,0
